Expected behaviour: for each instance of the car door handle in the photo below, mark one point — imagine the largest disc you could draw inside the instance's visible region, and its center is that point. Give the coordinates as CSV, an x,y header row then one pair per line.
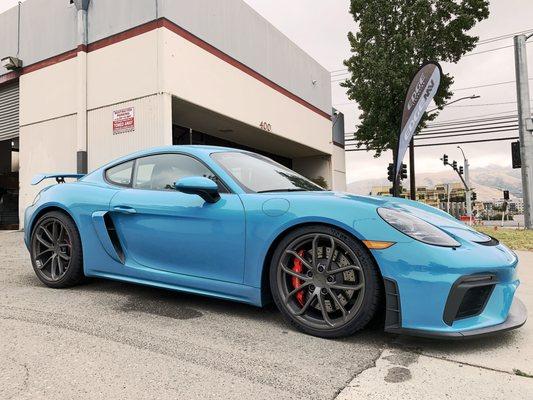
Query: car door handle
x,y
124,209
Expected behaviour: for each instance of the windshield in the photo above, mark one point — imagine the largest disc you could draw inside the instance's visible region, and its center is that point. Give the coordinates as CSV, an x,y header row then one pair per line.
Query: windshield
x,y
259,174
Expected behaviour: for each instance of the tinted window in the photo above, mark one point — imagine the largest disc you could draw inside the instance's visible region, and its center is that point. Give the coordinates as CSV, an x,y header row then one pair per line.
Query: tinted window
x,y
258,174
120,174
160,172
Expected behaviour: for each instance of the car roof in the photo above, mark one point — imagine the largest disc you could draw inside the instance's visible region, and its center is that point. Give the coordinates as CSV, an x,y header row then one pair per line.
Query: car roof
x,y
200,151
195,150
186,148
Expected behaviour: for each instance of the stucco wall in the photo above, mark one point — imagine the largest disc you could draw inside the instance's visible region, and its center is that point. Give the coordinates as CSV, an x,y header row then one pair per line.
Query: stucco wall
x,y
48,93
153,127
48,146
125,70
195,75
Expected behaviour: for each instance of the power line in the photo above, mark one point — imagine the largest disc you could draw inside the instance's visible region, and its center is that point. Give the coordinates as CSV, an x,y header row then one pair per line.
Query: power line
x,y
485,104
470,128
512,128
486,85
474,128
453,134
468,141
339,72
475,122
458,125
447,144
466,55
446,121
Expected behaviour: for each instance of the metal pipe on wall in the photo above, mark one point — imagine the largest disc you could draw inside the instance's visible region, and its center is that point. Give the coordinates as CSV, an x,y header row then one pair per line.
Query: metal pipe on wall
x,y
81,97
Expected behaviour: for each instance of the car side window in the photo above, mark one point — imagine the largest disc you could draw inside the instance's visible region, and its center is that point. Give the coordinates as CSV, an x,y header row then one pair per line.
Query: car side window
x,y
120,174
161,171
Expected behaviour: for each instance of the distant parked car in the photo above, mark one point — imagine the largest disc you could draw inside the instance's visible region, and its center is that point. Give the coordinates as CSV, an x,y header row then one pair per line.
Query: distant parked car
x,y
235,225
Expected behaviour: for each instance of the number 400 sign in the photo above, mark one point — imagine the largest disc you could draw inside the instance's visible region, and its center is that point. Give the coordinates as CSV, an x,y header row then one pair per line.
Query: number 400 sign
x,y
265,126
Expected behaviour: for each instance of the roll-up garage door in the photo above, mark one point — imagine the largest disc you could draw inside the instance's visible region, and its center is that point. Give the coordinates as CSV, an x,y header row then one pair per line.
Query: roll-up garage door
x,y
9,111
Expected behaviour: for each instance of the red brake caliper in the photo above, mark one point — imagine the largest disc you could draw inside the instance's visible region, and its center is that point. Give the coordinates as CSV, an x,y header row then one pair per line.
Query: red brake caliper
x,y
297,267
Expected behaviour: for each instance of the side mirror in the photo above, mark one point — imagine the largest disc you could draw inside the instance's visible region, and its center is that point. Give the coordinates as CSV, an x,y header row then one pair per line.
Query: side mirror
x,y
203,187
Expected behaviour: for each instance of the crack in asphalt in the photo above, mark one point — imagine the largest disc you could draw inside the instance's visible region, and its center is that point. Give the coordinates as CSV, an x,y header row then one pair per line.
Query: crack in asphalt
x,y
24,385
221,365
371,364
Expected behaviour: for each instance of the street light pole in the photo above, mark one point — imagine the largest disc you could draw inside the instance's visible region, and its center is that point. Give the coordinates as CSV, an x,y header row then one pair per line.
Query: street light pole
x,y
468,189
525,126
412,148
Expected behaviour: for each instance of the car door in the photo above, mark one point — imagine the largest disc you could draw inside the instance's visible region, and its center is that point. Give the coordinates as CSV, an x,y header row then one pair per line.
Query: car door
x,y
163,229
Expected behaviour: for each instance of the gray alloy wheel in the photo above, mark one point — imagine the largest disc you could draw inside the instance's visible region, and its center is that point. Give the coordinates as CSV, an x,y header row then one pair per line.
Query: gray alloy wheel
x,y
56,250
324,282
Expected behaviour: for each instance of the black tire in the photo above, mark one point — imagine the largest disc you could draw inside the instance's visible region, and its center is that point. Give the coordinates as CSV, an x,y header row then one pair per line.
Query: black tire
x,y
65,250
364,302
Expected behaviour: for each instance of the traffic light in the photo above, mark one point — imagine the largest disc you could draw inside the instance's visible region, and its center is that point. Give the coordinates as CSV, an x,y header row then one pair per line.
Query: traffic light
x,y
390,172
461,170
403,172
474,196
445,159
454,165
515,154
506,195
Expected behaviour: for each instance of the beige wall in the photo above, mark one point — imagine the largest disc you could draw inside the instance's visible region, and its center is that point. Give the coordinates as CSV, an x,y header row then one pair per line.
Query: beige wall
x,y
49,146
123,71
197,76
153,127
48,93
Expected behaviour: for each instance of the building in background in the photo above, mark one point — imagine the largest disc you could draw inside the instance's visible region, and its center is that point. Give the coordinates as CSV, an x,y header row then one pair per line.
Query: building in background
x,y
103,78
448,197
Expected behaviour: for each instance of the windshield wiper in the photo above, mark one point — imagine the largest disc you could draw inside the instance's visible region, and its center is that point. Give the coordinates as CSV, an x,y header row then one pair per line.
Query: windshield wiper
x,y
282,190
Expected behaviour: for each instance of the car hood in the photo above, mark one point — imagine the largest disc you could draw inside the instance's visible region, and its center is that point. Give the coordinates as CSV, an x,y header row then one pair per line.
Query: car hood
x,y
432,215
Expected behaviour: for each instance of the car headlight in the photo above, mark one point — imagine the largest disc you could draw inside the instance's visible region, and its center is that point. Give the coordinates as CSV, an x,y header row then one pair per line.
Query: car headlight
x,y
417,228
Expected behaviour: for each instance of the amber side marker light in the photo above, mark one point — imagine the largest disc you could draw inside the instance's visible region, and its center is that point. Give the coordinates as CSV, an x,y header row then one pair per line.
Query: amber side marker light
x,y
377,245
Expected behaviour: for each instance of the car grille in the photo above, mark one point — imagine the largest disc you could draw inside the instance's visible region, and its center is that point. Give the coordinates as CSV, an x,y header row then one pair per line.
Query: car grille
x,y
468,297
474,301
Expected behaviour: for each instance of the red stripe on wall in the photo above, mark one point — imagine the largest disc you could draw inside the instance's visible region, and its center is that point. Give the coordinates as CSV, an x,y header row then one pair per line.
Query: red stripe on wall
x,y
119,37
147,27
9,77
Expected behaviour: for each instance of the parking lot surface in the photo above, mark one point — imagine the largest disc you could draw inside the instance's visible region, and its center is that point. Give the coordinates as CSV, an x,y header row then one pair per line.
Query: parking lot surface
x,y
109,339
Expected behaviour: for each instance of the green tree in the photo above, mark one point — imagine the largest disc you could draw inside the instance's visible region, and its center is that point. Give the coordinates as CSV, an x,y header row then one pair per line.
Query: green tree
x,y
395,37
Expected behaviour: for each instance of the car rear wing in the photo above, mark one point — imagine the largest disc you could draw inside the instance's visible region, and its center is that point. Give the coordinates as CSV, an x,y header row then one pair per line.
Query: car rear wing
x,y
60,178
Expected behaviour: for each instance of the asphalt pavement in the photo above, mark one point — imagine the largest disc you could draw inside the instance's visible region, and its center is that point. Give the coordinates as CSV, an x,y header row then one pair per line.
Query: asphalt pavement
x,y
106,340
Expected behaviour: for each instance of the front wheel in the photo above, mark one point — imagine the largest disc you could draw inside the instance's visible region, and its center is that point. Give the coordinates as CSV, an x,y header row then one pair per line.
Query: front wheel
x,y
56,252
324,282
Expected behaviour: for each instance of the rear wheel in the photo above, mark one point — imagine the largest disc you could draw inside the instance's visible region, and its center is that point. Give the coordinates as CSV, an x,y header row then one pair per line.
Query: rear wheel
x,y
56,253
324,282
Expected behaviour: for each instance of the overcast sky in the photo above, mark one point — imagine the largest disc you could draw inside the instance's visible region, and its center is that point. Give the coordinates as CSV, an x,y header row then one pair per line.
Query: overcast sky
x,y
320,27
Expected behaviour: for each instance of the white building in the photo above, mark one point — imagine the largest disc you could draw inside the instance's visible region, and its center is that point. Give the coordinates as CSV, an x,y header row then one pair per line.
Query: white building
x,y
103,78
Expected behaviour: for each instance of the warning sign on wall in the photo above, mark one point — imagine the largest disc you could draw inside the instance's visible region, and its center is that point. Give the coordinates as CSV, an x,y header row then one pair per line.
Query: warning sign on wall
x,y
123,120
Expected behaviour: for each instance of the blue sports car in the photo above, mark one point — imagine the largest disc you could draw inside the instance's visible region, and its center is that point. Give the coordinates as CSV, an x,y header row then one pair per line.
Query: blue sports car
x,y
235,225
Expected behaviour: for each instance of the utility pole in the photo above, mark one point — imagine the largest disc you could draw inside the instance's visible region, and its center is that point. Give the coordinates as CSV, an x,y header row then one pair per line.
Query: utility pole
x,y
468,189
525,125
448,198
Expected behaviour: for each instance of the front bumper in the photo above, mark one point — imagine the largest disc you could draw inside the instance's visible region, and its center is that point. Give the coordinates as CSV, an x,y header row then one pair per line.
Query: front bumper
x,y
516,318
447,293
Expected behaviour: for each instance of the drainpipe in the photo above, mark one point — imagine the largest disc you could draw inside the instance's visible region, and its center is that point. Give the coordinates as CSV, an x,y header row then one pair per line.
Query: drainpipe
x,y
81,79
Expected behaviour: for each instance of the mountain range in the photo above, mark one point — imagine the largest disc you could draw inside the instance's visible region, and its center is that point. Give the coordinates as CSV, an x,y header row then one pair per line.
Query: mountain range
x,y
487,182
